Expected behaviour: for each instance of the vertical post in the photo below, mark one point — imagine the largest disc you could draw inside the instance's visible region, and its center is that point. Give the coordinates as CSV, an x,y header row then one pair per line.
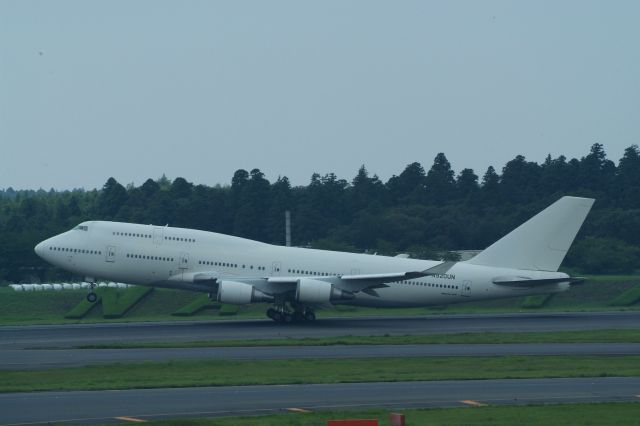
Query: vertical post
x,y
396,419
287,227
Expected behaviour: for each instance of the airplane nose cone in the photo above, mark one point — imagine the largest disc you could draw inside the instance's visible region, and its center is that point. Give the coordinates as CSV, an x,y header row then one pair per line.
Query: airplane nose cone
x,y
39,249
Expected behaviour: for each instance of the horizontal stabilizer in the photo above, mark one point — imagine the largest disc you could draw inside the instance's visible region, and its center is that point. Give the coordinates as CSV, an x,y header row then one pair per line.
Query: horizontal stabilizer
x,y
526,282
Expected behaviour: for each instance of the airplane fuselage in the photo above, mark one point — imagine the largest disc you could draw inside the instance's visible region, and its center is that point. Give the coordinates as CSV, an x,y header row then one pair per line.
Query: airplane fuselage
x,y
176,258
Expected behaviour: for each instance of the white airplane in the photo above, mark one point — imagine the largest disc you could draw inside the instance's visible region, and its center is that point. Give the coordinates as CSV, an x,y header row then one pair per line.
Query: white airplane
x,y
297,280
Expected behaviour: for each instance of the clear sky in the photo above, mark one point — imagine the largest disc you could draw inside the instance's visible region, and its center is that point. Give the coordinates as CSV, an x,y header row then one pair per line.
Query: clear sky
x,y
199,89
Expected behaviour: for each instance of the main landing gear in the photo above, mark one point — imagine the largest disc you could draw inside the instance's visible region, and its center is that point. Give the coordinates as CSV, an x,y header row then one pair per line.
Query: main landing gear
x,y
283,315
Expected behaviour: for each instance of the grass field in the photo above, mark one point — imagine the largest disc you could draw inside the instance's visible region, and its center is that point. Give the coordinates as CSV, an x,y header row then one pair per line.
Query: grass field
x,y
619,414
627,298
46,307
272,372
51,306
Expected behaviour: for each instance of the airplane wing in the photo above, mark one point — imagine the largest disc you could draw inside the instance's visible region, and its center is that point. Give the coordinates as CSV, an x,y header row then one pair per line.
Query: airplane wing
x,y
361,282
354,283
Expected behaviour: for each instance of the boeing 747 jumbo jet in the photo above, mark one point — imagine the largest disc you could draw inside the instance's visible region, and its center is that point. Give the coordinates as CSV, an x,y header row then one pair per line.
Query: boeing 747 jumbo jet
x,y
297,280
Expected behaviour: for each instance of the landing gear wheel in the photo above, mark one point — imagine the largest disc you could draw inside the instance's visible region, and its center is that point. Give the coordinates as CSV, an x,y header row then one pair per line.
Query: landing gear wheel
x,y
277,316
298,314
92,297
271,313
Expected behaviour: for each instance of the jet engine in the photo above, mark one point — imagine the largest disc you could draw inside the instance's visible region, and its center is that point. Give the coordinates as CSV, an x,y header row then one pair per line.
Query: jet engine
x,y
237,293
315,291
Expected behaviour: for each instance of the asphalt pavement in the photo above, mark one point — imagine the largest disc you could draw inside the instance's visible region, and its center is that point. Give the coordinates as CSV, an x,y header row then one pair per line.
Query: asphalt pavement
x,y
72,335
146,404
29,359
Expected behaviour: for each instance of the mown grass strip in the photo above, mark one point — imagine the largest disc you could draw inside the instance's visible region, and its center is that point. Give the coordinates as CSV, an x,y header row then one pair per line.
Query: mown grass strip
x,y
82,308
229,310
116,302
195,306
610,278
536,302
271,372
588,336
627,298
622,414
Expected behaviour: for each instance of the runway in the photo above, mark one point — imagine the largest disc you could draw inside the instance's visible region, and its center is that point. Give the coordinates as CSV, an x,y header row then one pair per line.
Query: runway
x,y
29,359
62,336
146,404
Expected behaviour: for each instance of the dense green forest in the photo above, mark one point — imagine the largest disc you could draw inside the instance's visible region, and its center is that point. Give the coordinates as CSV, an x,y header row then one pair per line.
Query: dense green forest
x,y
420,212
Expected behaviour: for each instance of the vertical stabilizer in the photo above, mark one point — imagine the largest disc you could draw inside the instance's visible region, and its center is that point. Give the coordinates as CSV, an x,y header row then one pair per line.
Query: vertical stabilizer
x,y
541,242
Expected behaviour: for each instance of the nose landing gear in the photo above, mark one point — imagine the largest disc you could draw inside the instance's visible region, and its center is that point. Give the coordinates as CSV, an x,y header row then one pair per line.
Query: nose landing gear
x,y
92,297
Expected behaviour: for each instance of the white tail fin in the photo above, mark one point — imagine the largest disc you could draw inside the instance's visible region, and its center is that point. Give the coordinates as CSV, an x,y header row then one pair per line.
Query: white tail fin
x,y
541,242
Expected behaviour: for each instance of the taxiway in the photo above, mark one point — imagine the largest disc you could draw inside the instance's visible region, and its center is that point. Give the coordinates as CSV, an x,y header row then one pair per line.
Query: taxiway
x,y
146,404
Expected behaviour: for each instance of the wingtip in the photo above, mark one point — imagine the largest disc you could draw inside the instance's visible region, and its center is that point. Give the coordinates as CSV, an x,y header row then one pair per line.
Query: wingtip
x,y
586,200
441,268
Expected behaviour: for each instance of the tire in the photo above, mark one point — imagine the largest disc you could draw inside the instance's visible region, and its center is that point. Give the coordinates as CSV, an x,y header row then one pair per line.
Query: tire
x,y
310,316
271,313
277,317
92,297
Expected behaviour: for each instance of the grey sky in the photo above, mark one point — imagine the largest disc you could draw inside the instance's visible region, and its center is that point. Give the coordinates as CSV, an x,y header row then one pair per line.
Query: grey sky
x,y
134,89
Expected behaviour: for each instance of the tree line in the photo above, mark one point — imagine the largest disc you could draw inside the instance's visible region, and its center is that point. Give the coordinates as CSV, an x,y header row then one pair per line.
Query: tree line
x,y
421,212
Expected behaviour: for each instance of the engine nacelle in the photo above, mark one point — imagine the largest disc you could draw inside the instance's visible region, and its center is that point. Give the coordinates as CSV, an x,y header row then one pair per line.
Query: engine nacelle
x,y
315,291
237,293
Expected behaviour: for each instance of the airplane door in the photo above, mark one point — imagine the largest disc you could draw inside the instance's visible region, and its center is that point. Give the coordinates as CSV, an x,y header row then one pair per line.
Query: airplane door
x,y
70,258
183,261
275,268
110,255
466,289
158,235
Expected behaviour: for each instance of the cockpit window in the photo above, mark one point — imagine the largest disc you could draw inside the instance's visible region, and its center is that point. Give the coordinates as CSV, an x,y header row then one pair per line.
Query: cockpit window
x,y
82,227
